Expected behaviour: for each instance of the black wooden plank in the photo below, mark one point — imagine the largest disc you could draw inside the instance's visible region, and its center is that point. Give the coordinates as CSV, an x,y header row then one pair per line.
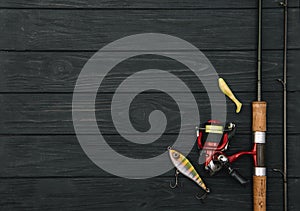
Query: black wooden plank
x,y
139,4
293,70
58,71
81,30
293,199
293,146
121,194
62,156
52,114
294,22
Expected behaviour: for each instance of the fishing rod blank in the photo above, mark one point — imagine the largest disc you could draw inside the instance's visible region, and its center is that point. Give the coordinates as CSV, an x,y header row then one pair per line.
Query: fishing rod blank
x,y
259,127
284,84
285,4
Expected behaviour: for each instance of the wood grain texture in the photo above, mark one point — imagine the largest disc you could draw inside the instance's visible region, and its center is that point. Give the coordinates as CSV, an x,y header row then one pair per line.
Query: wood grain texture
x,y
293,79
43,47
52,113
152,194
81,30
58,71
86,4
62,156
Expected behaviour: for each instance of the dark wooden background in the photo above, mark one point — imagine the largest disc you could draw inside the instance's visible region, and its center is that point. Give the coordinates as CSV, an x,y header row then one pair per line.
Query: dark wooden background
x,y
43,47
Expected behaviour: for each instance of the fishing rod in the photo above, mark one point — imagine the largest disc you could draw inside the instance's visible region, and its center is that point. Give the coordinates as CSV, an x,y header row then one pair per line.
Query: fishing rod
x,y
285,5
216,159
259,128
284,82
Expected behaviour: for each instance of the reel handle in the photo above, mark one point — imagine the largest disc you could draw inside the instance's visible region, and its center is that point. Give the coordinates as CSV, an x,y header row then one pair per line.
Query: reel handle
x,y
237,176
231,171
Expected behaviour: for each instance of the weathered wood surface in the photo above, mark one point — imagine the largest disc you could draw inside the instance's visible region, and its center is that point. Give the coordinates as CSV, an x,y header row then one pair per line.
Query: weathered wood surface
x,y
58,71
45,44
92,4
122,194
62,156
52,113
81,30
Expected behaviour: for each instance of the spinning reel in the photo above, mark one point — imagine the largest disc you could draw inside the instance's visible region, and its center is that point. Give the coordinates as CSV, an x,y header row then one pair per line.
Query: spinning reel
x,y
213,140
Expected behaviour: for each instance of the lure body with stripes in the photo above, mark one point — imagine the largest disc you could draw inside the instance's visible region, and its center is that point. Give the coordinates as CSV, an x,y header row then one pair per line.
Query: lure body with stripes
x,y
183,165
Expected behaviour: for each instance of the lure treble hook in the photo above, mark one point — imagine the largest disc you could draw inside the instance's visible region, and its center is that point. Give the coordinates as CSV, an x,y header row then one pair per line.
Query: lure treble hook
x,y
203,196
176,180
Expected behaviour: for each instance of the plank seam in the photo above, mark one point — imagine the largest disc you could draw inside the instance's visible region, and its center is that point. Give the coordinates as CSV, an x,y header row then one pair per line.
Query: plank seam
x,y
145,93
94,51
112,177
142,8
114,134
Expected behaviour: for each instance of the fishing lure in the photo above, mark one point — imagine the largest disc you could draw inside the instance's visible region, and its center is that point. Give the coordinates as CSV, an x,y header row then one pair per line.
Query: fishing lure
x,y
226,90
183,165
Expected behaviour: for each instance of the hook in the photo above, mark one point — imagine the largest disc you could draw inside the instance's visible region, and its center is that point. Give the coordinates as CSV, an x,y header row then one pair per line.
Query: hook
x,y
176,180
203,196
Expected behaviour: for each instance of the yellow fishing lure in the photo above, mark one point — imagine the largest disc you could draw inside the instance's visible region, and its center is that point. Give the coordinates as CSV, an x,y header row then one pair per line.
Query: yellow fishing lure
x,y
183,165
226,90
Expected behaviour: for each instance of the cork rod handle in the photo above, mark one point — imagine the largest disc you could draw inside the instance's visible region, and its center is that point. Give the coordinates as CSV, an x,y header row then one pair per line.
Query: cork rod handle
x,y
259,127
259,193
259,120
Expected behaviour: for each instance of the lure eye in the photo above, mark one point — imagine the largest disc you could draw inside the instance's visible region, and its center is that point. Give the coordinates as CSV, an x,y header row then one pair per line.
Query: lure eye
x,y
176,155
